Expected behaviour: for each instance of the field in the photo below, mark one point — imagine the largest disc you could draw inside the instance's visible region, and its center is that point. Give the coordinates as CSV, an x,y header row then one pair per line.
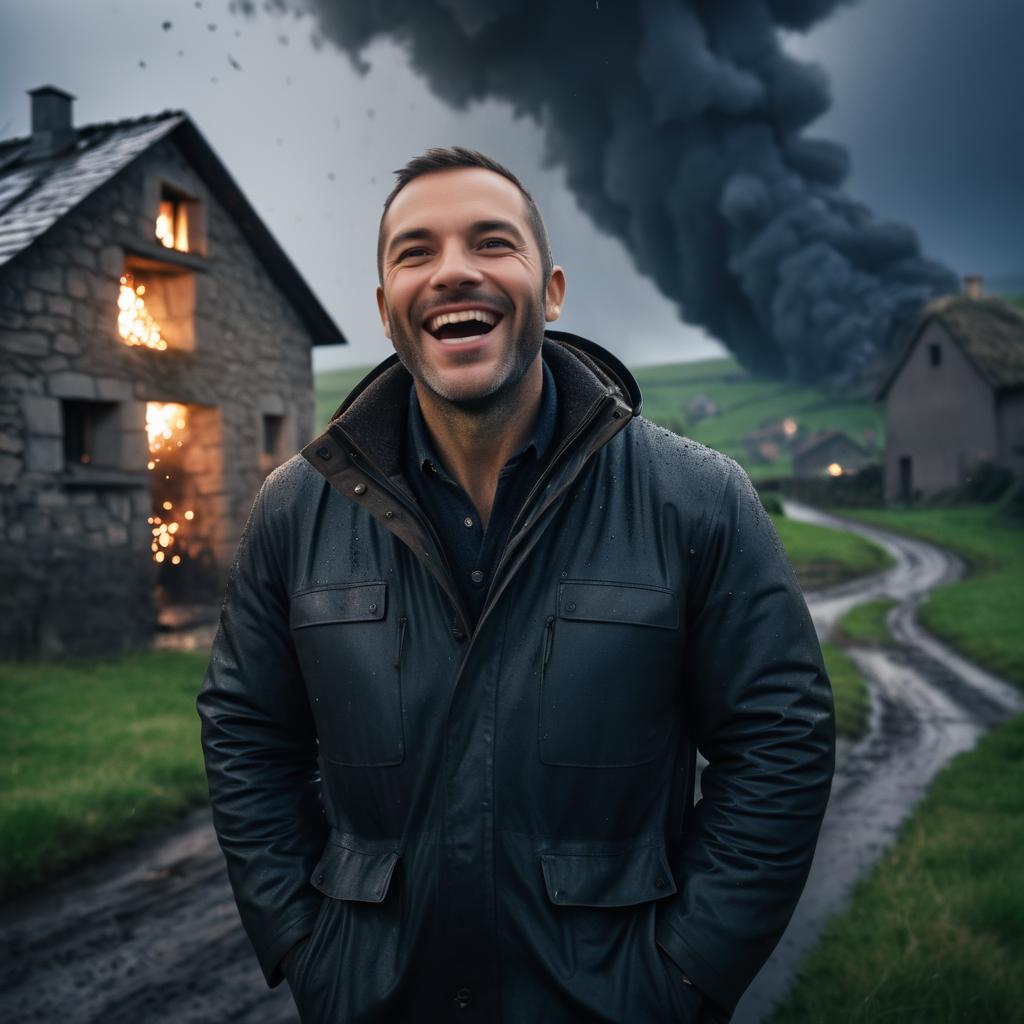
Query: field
x,y
744,404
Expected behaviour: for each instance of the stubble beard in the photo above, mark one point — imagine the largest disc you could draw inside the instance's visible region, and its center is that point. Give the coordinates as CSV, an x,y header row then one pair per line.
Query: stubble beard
x,y
501,394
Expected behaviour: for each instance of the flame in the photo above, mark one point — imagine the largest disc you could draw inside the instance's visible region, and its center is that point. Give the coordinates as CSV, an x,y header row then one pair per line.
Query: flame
x,y
163,421
835,469
134,323
172,225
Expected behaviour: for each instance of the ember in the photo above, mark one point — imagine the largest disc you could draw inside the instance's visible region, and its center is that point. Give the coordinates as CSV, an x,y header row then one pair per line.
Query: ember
x,y
164,421
835,469
134,323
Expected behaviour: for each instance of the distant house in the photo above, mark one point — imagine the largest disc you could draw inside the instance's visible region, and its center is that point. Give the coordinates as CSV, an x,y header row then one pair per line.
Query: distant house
x,y
701,407
155,364
766,444
955,396
829,453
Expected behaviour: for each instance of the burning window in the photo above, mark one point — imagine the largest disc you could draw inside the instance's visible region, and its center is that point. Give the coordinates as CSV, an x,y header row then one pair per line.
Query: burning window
x,y
167,429
91,433
172,220
135,324
156,305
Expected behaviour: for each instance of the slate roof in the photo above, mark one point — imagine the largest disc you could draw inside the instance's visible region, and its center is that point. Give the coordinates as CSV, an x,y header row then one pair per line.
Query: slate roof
x,y
989,330
35,193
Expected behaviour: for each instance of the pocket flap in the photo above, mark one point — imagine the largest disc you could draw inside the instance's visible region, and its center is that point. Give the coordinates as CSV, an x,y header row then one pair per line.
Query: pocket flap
x,y
353,869
619,879
345,602
631,603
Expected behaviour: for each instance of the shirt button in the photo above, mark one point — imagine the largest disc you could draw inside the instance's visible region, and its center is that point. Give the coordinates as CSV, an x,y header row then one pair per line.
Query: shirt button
x,y
476,576
463,998
467,521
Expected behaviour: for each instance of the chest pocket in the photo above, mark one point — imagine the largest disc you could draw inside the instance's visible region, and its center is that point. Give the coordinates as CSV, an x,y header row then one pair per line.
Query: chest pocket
x,y
349,647
610,665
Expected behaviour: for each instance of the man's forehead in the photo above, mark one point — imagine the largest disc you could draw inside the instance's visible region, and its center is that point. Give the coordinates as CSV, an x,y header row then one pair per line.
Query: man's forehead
x,y
461,194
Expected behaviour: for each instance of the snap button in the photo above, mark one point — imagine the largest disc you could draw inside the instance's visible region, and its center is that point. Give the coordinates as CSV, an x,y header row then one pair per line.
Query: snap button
x,y
324,452
389,515
476,576
373,607
463,998
659,883
571,607
467,521
359,488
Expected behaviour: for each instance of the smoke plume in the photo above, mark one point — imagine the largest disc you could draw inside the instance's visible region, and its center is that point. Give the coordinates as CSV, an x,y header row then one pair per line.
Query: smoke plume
x,y
679,124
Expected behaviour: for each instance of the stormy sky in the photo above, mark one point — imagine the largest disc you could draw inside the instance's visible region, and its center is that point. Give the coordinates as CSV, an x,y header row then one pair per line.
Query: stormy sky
x,y
925,99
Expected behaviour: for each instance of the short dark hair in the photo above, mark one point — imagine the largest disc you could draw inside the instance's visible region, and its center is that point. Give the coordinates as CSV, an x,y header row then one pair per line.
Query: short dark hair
x,y
453,158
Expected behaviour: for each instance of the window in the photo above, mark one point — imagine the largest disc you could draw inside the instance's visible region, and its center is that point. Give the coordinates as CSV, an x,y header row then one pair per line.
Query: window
x,y
91,433
273,435
175,220
935,354
156,305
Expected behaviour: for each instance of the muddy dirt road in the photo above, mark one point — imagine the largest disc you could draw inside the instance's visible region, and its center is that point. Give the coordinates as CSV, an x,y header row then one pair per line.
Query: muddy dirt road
x,y
152,935
928,704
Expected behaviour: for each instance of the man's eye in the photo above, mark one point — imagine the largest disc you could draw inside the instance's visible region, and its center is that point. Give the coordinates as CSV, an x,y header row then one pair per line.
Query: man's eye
x,y
412,253
488,243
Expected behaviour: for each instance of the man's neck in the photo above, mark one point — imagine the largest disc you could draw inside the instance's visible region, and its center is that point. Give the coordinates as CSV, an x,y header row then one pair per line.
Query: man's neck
x,y
473,444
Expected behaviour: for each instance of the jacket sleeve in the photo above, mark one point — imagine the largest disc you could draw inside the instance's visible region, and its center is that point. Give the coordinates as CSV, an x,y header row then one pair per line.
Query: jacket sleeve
x,y
759,706
260,747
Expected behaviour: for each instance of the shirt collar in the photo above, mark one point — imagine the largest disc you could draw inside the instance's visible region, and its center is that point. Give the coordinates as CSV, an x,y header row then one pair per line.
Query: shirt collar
x,y
425,454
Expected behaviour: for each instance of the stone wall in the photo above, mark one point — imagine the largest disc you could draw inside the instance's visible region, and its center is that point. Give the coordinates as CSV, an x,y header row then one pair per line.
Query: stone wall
x,y
75,562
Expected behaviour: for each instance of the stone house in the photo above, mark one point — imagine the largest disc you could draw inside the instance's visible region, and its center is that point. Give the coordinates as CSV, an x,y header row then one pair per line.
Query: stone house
x,y
155,365
829,453
955,395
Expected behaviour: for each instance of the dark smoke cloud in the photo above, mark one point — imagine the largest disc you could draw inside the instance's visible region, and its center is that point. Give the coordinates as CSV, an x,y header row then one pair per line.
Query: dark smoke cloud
x,y
679,125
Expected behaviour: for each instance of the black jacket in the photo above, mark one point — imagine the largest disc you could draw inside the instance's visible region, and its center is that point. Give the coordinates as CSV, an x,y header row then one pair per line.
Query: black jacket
x,y
497,823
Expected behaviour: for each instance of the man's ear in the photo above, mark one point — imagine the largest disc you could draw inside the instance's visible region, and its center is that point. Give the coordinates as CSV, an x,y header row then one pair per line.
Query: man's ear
x,y
382,309
554,293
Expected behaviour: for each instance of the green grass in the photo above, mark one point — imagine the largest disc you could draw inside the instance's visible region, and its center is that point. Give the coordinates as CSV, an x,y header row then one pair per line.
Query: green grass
x,y
745,404
935,933
331,388
980,616
853,707
865,624
822,557
95,751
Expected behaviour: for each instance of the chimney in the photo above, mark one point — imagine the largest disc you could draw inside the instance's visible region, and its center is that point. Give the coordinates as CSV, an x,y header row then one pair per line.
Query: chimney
x,y
52,131
972,286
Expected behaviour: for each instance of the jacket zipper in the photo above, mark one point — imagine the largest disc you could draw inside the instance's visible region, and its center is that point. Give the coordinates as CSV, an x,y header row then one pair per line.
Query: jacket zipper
x,y
401,640
549,632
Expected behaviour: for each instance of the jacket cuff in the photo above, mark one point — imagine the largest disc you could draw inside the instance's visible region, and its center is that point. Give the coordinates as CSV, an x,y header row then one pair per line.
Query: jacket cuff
x,y
705,977
271,956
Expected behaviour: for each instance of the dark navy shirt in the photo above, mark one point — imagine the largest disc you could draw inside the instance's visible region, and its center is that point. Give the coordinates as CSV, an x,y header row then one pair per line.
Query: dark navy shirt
x,y
473,552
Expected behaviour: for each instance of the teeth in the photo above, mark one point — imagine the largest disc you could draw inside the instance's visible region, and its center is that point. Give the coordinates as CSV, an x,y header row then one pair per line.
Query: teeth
x,y
437,322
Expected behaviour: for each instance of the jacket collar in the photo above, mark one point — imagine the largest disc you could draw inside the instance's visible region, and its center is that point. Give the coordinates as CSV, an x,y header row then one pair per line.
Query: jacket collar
x,y
374,415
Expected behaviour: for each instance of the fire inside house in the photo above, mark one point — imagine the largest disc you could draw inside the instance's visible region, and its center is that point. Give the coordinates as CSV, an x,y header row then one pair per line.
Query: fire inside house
x,y
156,351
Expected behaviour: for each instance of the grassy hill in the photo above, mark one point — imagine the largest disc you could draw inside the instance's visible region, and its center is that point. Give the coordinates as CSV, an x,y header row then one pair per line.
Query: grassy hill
x,y
744,404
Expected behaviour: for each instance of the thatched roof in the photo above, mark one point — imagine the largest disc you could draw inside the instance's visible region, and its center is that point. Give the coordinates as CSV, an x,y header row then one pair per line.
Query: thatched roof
x,y
989,330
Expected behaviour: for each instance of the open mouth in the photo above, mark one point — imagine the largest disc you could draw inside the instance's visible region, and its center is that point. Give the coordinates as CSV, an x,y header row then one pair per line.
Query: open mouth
x,y
462,326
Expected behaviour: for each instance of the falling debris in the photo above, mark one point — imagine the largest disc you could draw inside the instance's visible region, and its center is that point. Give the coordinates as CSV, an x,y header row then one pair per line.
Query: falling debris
x,y
234,63
142,63
166,26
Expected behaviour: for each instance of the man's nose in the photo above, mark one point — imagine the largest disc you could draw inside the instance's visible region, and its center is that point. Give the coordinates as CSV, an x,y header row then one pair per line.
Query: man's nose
x,y
455,268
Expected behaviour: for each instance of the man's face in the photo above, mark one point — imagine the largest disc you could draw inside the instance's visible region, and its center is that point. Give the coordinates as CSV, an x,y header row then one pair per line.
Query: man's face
x,y
462,296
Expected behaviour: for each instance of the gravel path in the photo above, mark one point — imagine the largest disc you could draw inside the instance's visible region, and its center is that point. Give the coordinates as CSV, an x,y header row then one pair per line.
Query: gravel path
x,y
151,935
